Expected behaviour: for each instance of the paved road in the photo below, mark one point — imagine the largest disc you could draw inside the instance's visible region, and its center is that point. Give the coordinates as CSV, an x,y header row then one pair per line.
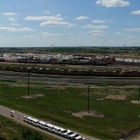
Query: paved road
x,y
18,116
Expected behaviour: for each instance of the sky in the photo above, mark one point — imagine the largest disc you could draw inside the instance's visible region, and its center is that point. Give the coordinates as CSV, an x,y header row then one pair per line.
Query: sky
x,y
46,23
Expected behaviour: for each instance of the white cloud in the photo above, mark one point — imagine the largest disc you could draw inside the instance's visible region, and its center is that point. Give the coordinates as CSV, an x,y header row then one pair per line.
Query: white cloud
x,y
9,14
113,3
29,36
117,33
12,19
99,21
90,26
102,21
133,30
136,12
56,24
55,21
12,29
82,18
15,24
46,12
48,34
96,32
44,18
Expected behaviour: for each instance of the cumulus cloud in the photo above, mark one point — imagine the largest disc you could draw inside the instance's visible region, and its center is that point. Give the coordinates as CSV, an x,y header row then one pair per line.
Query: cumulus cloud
x,y
99,21
9,14
46,12
48,34
28,36
57,24
96,33
13,29
102,21
55,21
117,33
113,3
90,26
136,12
44,18
82,18
133,30
12,19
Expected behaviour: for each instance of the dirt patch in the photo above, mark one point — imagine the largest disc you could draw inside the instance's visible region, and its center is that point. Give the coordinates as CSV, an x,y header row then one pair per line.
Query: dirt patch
x,y
135,102
32,96
86,113
116,97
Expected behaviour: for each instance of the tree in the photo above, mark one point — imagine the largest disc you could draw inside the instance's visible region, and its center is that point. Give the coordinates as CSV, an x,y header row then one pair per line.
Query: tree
x,y
31,135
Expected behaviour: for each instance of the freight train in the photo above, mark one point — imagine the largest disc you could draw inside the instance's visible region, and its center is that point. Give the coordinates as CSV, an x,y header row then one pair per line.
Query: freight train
x,y
75,72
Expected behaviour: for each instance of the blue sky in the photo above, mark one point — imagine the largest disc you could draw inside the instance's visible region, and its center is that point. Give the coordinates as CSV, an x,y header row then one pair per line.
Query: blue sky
x,y
34,23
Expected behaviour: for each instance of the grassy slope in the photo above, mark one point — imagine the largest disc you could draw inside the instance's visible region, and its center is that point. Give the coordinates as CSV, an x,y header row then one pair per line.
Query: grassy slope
x,y
57,106
10,130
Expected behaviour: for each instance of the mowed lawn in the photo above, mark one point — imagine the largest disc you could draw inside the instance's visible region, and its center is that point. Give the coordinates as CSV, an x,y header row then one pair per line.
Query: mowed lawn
x,y
56,103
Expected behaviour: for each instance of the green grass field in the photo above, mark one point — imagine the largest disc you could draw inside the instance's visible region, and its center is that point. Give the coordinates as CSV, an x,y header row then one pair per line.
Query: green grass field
x,y
11,130
59,102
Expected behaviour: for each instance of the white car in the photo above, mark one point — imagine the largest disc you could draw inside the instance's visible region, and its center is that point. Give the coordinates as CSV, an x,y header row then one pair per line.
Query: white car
x,y
12,113
73,136
62,131
67,133
56,130
70,134
79,138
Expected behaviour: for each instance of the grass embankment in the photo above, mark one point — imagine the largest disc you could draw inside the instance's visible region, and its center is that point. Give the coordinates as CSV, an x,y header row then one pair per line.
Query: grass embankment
x,y
11,130
59,102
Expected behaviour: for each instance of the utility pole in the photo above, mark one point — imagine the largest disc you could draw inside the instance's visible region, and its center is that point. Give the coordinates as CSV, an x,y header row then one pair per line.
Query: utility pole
x,y
139,93
28,83
88,98
28,93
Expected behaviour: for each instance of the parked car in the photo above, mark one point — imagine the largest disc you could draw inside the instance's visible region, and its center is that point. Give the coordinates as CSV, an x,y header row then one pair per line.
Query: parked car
x,y
70,134
79,138
12,113
67,133
73,136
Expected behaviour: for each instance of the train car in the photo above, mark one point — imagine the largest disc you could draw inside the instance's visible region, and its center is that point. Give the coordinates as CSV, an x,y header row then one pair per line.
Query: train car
x,y
129,73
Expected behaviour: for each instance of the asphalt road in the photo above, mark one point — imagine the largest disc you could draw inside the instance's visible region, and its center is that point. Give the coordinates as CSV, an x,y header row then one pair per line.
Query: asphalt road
x,y
18,116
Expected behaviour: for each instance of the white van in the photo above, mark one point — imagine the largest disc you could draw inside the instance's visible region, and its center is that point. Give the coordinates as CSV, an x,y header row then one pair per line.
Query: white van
x,y
42,125
29,120
35,122
25,118
49,127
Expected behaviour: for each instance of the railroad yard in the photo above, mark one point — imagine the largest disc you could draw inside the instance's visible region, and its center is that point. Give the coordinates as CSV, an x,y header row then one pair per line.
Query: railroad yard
x,y
103,94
